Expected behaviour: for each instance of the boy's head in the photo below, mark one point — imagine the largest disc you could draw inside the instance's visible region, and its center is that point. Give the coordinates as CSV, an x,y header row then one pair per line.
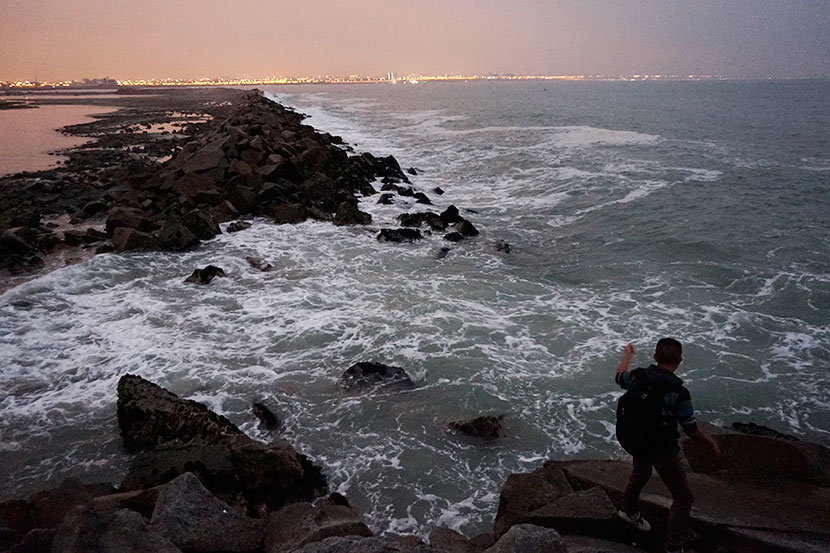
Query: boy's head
x,y
668,353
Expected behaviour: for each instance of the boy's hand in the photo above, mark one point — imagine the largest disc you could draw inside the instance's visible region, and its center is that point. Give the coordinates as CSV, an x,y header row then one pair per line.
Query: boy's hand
x,y
628,353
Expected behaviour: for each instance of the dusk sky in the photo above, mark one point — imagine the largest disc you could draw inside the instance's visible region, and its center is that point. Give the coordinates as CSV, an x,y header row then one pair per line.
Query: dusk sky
x,y
73,39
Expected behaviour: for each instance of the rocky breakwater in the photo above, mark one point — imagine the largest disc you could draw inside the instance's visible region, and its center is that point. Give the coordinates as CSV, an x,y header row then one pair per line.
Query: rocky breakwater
x,y
768,494
260,160
197,484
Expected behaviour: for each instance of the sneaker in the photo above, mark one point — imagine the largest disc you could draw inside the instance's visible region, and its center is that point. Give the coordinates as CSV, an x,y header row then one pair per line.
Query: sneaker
x,y
637,521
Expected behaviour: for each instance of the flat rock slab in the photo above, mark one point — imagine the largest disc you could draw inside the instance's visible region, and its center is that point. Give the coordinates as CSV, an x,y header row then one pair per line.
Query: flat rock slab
x,y
764,506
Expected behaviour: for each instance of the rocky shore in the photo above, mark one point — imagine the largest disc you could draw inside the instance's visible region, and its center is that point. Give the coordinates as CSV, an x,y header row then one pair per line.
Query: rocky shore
x,y
197,484
223,155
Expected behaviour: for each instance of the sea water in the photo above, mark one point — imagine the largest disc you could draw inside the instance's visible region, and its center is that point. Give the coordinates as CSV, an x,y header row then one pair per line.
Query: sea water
x,y
633,211
29,137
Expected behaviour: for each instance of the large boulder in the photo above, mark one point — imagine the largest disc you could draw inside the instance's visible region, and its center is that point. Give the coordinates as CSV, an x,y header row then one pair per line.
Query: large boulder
x,y
299,524
175,235
130,239
128,217
352,544
527,538
149,415
50,506
524,493
17,515
450,541
84,531
583,512
236,469
751,455
348,214
196,521
201,223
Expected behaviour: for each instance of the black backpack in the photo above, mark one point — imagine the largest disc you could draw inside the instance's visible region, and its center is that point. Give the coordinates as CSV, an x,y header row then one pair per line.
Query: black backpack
x,y
639,412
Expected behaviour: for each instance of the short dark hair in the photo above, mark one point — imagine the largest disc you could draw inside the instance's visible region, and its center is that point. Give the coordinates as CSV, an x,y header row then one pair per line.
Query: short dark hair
x,y
668,352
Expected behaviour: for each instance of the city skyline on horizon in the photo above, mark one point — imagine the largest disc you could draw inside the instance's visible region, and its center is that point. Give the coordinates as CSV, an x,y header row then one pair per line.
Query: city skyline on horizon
x,y
50,40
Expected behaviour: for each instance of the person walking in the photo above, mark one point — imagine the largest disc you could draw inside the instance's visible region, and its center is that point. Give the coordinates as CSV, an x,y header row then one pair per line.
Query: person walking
x,y
647,417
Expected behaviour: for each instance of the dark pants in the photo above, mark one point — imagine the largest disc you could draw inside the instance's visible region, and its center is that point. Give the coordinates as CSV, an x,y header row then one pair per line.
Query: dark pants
x,y
673,476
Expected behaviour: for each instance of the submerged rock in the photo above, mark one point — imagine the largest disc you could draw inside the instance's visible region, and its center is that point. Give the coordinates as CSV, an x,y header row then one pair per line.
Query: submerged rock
x,y
399,235
486,427
266,417
366,375
237,226
206,275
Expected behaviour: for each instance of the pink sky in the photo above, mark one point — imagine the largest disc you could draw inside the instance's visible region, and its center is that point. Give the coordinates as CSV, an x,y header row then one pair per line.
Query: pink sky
x,y
73,39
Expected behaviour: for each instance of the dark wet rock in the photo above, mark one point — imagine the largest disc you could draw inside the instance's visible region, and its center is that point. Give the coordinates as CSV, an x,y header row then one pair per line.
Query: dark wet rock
x,y
352,544
486,427
582,512
501,246
84,531
258,264
588,544
450,541
17,515
50,506
442,253
196,521
349,214
140,501
760,430
367,374
201,223
237,226
289,214
454,237
417,219
94,234
128,217
723,517
235,468
399,235
149,415
749,455
174,235
422,198
206,275
438,190
300,524
412,171
450,215
524,493
38,540
130,239
465,227
527,538
386,199
267,418
94,208
19,240
197,189
9,538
